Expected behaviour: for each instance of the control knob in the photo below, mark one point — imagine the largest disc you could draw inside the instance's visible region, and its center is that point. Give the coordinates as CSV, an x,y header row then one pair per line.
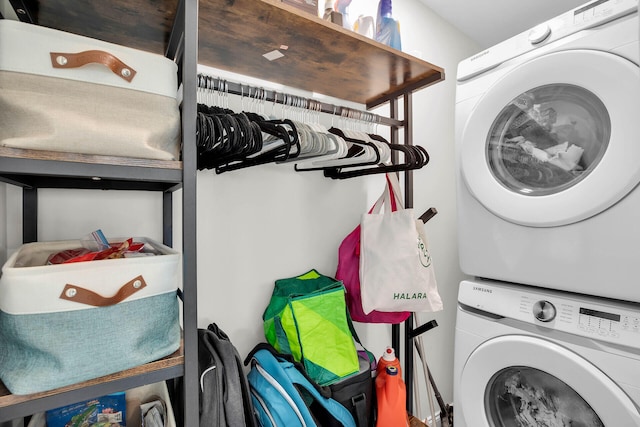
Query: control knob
x,y
544,311
539,33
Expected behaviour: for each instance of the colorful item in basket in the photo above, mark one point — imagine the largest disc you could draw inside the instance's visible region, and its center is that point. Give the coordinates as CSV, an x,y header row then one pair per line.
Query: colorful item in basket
x,y
115,250
105,411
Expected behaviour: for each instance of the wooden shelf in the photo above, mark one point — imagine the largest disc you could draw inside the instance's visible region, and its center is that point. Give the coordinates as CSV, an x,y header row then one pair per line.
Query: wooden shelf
x,y
51,169
15,406
320,57
140,24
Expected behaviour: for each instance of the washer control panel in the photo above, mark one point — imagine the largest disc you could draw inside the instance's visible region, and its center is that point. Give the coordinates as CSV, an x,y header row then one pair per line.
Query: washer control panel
x,y
597,318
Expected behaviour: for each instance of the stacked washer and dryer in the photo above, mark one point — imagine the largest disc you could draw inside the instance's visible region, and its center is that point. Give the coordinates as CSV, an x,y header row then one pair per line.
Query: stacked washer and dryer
x,y
548,167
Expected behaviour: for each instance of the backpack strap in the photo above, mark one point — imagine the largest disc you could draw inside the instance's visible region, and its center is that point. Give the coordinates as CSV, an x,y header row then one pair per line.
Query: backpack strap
x,y
324,391
266,362
359,402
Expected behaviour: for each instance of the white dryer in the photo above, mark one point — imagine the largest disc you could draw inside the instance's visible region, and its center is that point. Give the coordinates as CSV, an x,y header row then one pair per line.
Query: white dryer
x,y
531,357
548,154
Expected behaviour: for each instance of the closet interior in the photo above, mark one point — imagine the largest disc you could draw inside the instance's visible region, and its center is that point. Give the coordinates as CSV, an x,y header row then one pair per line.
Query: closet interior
x,y
316,56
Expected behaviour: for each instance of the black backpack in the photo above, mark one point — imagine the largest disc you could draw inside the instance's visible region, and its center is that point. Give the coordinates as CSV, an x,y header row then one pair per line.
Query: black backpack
x,y
224,392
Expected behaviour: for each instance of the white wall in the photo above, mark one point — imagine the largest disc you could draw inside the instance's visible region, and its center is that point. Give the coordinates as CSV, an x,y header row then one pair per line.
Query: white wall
x,y
71,214
264,223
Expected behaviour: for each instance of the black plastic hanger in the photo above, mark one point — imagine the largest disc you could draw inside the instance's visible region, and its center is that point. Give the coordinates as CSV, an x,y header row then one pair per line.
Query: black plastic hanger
x,y
415,157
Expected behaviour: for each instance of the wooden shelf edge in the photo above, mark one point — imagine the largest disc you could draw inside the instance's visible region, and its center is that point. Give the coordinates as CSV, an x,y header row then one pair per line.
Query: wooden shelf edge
x,y
318,56
20,153
172,364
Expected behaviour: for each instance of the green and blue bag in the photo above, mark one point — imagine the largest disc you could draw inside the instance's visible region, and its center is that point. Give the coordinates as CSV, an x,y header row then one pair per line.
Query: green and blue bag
x,y
307,317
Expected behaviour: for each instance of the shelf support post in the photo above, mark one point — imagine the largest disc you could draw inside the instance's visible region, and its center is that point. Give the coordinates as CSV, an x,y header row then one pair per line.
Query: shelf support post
x,y
188,21
167,218
29,214
408,202
393,113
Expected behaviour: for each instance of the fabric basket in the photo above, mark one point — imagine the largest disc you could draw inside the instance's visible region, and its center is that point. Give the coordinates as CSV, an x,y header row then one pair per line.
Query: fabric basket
x,y
66,323
67,93
307,318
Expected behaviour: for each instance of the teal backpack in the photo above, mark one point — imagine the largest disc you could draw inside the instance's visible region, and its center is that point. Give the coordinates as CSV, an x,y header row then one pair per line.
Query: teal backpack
x,y
283,396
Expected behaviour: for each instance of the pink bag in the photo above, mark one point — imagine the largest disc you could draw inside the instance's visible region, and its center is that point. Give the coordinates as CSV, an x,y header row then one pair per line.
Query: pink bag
x,y
349,273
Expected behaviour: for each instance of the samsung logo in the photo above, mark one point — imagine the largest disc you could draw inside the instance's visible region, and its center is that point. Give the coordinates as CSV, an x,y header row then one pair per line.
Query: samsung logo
x,y
480,289
479,55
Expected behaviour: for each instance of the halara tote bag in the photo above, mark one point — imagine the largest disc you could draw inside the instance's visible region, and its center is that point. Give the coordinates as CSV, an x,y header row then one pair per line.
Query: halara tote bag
x,y
396,270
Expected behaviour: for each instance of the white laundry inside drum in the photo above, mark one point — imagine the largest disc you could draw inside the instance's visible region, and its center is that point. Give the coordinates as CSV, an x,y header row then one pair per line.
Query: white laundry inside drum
x,y
548,139
525,396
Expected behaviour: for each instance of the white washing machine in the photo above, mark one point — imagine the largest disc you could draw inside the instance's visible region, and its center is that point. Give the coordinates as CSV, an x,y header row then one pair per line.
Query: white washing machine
x,y
525,356
548,143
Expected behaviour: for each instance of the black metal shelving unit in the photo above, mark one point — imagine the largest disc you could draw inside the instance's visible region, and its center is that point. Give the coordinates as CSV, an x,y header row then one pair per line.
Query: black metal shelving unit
x,y
209,32
34,170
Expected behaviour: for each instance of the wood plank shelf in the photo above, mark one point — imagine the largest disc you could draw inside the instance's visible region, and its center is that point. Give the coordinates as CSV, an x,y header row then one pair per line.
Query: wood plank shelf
x,y
51,169
140,24
319,56
14,406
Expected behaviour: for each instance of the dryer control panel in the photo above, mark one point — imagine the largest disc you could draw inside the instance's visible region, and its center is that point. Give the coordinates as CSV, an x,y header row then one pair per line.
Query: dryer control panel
x,y
597,318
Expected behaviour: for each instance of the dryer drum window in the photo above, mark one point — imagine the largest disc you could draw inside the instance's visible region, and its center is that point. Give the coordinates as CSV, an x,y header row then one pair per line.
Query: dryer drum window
x,y
548,139
522,396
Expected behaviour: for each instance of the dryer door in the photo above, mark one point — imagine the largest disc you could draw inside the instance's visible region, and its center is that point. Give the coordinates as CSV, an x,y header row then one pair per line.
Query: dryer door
x,y
555,140
525,381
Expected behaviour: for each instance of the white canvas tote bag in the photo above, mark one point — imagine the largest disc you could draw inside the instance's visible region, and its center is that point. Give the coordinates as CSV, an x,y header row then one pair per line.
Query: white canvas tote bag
x,y
396,270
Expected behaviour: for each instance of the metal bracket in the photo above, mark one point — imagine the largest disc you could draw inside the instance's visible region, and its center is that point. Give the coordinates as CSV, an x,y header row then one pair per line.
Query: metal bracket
x,y
26,10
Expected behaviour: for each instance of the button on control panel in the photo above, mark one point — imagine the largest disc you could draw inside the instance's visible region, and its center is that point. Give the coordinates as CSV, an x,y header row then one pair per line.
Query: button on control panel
x,y
539,33
544,311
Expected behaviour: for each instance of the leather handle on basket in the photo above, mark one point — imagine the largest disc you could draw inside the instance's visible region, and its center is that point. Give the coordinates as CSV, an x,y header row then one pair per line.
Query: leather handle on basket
x,y
85,296
75,60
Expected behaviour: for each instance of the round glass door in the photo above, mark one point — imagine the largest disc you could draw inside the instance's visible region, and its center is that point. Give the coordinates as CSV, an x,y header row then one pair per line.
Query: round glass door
x,y
524,381
548,139
554,141
523,396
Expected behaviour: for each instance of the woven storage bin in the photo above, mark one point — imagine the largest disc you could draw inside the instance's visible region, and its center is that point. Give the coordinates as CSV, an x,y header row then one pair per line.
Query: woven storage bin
x,y
64,92
66,323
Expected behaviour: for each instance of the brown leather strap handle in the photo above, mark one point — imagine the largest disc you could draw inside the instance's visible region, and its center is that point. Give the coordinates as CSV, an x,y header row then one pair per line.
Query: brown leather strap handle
x,y
85,296
75,60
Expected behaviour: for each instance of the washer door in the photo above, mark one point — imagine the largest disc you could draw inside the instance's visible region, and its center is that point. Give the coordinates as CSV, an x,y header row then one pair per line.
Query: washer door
x,y
555,140
513,381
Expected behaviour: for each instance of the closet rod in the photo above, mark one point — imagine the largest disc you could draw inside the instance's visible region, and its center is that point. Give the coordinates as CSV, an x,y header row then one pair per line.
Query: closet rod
x,y
224,86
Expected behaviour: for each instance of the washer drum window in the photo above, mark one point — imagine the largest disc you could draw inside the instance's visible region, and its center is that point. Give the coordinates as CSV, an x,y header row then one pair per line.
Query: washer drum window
x,y
524,396
548,139
555,140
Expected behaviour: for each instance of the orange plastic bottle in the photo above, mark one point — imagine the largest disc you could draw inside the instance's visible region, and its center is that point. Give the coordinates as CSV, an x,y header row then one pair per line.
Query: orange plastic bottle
x,y
391,393
388,359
